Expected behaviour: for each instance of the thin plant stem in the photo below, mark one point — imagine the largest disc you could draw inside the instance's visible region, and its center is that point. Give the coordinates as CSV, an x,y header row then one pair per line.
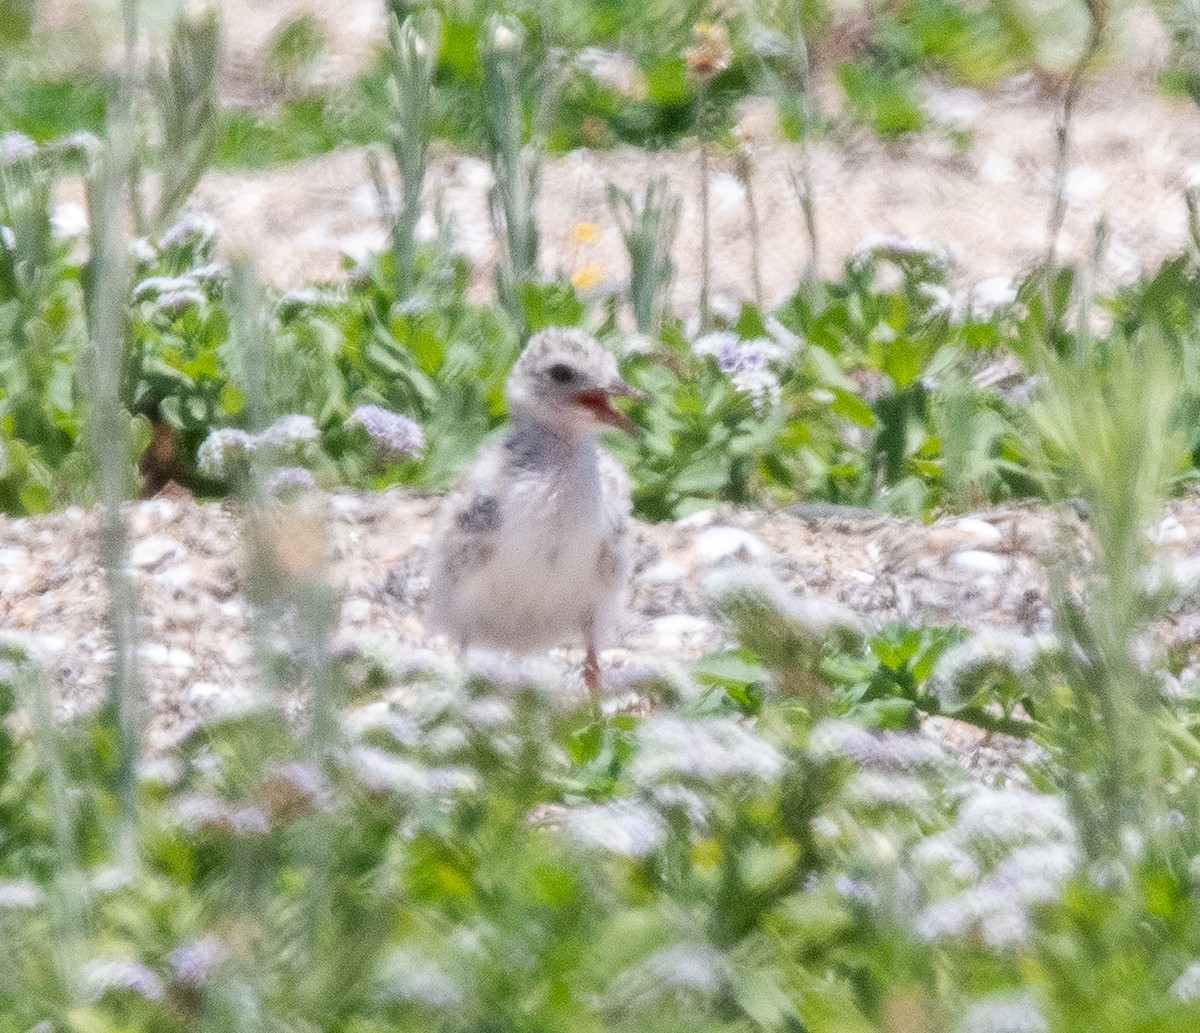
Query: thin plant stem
x,y
705,229
745,171
109,429
1098,20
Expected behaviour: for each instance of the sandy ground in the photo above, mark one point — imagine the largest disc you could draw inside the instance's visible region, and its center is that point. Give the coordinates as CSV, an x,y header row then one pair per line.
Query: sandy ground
x,y
1135,153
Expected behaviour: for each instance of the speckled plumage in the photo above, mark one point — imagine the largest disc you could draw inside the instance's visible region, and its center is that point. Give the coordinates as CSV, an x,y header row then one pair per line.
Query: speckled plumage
x,y
532,549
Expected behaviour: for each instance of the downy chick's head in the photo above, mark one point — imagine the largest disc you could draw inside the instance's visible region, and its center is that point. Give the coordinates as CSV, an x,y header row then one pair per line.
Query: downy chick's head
x,y
565,378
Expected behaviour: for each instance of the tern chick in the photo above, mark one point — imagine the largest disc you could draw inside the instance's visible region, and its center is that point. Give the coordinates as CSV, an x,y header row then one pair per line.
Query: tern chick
x,y
533,548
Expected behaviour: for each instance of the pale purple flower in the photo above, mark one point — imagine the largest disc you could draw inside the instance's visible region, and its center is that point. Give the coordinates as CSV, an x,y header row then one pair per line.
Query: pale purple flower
x,y
194,962
193,229
175,303
104,974
394,434
287,480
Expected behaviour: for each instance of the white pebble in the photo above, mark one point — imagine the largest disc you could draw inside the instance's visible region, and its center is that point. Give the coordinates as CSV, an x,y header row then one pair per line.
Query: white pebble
x,y
979,561
666,572
986,534
1167,530
153,652
701,518
180,660
150,552
238,651
716,543
13,558
176,578
672,632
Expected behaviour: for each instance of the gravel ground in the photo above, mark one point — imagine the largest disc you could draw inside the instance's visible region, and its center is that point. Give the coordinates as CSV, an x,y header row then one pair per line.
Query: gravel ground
x,y
983,571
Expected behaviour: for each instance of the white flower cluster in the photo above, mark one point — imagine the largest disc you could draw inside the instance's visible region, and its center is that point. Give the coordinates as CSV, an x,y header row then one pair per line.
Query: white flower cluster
x,y
194,230
895,248
224,451
1187,987
964,668
213,815
1026,848
407,975
1003,1013
379,771
173,295
227,450
395,435
675,973
16,147
19,895
703,750
622,827
886,751
290,433
101,975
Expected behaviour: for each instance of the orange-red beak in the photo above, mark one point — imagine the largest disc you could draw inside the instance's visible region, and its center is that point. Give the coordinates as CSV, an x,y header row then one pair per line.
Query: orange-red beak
x,y
599,403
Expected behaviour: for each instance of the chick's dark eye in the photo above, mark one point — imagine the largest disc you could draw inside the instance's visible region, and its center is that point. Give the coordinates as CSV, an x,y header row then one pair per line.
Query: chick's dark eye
x,y
561,374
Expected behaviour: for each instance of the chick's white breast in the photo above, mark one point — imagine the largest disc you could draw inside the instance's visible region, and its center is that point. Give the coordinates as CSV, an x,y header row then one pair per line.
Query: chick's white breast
x,y
527,559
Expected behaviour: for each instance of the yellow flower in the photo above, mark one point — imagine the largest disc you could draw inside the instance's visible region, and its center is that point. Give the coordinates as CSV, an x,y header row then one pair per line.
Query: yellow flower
x,y
586,233
587,276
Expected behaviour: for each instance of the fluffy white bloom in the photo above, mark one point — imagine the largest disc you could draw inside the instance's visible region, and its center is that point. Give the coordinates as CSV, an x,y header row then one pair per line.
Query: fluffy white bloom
x,y
142,251
156,286
1013,817
761,385
16,147
886,789
19,895
103,974
1187,987
381,772
287,480
675,973
621,827
1003,1013
193,229
223,451
670,747
895,247
68,220
290,432
990,296
210,814
8,239
409,976
893,751
963,667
